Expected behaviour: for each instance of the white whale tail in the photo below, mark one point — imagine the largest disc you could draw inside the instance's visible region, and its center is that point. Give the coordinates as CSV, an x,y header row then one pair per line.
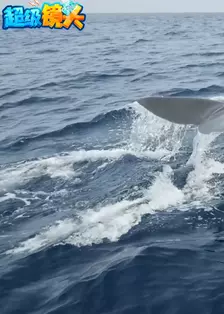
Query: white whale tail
x,y
206,114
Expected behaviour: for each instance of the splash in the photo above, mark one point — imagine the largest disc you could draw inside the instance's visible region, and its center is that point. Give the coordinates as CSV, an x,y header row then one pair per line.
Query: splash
x,y
151,137
150,132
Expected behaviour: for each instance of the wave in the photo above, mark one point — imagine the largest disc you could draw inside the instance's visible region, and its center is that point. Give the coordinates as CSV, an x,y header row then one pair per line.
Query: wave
x,y
206,91
103,76
62,166
10,93
43,51
202,65
179,33
114,116
220,74
145,77
142,40
110,51
31,101
204,54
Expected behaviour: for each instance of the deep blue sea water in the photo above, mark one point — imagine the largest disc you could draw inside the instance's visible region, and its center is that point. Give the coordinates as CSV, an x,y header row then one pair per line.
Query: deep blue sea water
x,y
98,212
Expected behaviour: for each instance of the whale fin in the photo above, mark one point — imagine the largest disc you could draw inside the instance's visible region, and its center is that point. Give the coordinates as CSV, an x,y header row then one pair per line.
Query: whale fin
x,y
197,111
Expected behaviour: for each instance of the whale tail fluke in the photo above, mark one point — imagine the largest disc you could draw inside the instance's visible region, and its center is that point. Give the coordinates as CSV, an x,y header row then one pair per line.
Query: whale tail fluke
x,y
206,114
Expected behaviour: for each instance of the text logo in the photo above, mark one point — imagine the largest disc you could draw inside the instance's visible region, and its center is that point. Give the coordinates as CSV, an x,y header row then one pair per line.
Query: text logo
x,y
55,16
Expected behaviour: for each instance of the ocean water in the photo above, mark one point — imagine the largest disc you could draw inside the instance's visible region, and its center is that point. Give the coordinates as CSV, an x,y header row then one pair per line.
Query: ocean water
x,y
99,212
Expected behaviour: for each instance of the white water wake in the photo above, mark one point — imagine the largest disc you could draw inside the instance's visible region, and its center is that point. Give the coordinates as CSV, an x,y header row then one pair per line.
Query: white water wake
x,y
152,137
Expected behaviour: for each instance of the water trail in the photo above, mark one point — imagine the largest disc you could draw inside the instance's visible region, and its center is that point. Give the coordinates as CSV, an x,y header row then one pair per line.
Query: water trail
x,y
201,144
106,222
193,157
199,182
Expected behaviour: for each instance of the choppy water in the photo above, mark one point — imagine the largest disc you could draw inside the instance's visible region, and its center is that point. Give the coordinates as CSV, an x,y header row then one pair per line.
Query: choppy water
x,y
98,211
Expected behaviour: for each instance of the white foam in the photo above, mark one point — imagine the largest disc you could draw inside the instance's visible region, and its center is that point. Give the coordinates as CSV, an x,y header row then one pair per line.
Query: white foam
x,y
114,220
59,231
218,98
62,166
110,222
9,196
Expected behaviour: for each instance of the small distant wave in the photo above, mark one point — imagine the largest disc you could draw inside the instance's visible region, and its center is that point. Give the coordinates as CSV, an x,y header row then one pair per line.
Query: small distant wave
x,y
47,51
142,40
108,52
204,54
30,101
9,93
128,71
179,33
6,53
93,76
206,91
220,74
88,76
7,74
103,76
202,65
148,76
